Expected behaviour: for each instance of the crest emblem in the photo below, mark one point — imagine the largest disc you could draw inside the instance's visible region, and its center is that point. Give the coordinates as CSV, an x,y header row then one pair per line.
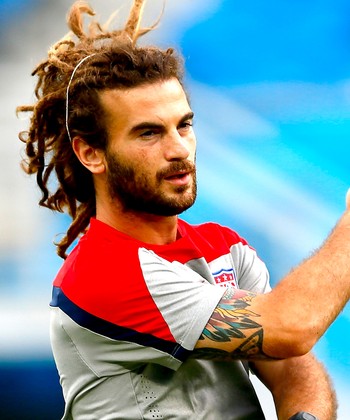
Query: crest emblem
x,y
225,277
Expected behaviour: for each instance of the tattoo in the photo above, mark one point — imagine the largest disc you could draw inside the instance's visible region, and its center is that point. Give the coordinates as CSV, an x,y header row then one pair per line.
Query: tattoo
x,y
232,319
249,349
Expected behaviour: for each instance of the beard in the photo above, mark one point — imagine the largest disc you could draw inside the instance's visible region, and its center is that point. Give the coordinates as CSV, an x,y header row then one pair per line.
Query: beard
x,y
136,193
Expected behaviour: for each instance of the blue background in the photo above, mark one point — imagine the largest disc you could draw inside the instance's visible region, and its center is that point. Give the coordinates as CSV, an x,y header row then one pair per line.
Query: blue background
x,y
270,85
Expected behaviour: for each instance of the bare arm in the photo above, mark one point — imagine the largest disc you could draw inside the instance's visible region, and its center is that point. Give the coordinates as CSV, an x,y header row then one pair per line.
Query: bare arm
x,y
298,384
288,321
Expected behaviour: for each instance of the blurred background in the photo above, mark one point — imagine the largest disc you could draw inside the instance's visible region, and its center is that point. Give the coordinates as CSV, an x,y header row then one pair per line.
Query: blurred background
x,y
270,84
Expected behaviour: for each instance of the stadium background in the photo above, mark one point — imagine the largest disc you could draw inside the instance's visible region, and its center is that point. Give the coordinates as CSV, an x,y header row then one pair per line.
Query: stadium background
x,y
270,85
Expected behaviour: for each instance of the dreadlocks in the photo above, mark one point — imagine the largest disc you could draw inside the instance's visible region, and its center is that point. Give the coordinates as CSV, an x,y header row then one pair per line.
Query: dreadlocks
x,y
77,68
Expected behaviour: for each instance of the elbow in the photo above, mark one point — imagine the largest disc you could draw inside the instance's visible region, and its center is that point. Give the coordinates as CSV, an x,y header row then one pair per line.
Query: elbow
x,y
294,342
298,346
287,330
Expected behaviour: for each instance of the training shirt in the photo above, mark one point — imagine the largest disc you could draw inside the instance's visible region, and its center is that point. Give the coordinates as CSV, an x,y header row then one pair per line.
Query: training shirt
x,y
126,315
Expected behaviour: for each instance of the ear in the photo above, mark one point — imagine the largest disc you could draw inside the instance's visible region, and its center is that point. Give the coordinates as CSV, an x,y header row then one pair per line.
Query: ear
x,y
90,157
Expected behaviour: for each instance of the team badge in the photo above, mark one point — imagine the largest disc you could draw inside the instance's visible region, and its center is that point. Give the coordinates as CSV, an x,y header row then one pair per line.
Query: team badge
x,y
225,277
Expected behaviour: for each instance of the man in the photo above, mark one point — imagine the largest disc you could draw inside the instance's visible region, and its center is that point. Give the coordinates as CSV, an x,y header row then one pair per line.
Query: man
x,y
140,329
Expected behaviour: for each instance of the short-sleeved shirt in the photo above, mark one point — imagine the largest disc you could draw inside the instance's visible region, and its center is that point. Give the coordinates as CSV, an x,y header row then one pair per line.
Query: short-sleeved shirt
x,y
127,315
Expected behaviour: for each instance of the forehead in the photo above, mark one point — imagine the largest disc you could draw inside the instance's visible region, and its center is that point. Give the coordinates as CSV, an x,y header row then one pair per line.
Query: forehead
x,y
150,102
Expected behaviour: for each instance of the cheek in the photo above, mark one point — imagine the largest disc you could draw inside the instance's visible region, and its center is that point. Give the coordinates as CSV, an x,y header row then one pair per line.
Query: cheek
x,y
145,163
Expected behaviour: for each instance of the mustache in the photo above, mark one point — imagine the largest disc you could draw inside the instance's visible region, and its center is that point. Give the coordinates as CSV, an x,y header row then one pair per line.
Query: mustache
x,y
180,166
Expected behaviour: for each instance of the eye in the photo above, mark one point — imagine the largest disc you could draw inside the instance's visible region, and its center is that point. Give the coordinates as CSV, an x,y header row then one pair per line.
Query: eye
x,y
186,126
148,134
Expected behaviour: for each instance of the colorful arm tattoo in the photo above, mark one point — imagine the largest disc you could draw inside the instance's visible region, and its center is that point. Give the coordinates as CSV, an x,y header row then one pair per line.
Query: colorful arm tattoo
x,y
232,319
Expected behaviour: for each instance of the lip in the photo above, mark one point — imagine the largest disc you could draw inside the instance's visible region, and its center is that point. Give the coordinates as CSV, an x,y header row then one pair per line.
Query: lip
x,y
179,178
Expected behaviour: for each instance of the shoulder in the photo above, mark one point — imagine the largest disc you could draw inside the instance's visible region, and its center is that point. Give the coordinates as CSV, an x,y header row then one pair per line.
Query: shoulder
x,y
101,256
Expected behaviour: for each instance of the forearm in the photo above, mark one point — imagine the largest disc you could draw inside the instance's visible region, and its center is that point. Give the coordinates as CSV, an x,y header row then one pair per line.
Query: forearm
x,y
307,301
300,384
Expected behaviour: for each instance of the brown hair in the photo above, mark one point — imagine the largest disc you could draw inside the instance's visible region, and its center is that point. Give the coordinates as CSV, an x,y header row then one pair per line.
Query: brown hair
x,y
67,105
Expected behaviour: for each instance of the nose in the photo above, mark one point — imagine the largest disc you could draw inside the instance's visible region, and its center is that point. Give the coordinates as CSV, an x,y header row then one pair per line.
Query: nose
x,y
177,147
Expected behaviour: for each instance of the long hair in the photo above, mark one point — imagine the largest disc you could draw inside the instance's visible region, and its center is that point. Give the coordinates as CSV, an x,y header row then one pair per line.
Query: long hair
x,y
67,104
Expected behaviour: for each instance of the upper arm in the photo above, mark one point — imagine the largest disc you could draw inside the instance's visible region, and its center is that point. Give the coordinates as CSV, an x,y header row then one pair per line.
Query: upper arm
x,y
234,330
245,325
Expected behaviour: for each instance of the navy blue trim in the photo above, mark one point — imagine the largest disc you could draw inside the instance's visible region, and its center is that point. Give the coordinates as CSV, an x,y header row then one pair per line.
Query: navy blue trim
x,y
113,331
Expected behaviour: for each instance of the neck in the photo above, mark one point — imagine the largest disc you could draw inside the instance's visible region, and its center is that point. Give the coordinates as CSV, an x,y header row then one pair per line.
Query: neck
x,y
148,228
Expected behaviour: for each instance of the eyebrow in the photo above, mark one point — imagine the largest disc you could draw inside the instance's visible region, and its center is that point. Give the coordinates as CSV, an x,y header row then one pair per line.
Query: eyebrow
x,y
151,125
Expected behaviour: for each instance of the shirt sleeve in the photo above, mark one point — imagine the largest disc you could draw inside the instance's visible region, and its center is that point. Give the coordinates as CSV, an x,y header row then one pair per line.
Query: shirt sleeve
x,y
184,298
252,273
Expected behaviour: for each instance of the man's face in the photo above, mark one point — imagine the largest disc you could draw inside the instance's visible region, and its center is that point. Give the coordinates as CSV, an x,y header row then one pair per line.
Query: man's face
x,y
150,157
